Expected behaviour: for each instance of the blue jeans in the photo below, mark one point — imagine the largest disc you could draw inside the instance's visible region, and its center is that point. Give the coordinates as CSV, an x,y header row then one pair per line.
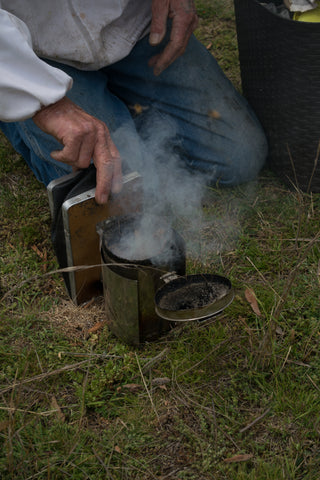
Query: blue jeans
x,y
191,113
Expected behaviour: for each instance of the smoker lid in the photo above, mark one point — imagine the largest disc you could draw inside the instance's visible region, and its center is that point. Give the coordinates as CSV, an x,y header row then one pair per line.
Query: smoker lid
x,y
193,297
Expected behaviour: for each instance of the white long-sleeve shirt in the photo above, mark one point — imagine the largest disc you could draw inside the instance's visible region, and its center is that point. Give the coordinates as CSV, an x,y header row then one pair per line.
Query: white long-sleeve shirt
x,y
86,35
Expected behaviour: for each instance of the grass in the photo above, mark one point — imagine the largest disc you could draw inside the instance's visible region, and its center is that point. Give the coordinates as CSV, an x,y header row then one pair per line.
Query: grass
x,y
234,397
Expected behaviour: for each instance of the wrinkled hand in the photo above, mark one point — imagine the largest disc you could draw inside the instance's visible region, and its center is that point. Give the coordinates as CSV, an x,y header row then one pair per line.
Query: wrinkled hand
x,y
184,22
83,138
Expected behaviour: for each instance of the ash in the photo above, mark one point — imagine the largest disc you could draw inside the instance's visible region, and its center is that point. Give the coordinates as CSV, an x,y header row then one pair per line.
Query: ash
x,y
192,296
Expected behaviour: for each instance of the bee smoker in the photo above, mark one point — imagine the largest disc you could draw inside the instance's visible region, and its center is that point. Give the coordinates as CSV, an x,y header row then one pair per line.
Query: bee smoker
x,y
136,251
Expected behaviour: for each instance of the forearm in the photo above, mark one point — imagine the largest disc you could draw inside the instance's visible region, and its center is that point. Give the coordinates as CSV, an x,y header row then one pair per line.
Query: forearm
x,y
27,83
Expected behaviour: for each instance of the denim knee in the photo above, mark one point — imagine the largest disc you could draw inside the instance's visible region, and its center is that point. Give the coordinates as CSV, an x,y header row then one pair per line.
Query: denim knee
x,y
249,158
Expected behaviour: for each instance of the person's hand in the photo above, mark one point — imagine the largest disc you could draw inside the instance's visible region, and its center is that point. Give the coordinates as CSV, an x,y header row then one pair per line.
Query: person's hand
x,y
184,22
83,138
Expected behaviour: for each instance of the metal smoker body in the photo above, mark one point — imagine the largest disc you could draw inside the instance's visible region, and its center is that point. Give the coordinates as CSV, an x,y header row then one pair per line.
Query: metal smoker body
x,y
130,286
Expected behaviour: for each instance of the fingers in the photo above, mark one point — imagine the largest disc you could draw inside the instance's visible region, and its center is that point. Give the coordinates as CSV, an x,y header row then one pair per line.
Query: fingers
x,y
160,12
184,22
84,138
108,164
117,170
77,151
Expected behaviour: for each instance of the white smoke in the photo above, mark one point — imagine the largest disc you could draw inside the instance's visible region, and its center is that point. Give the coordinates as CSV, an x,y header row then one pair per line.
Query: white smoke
x,y
174,193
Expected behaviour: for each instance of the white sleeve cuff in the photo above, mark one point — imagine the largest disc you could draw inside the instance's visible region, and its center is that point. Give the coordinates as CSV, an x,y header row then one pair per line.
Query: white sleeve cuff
x,y
27,83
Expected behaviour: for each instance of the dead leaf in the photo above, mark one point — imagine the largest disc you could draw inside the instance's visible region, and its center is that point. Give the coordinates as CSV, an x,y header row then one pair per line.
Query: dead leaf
x,y
117,449
89,303
160,381
55,406
37,251
162,418
252,299
279,331
45,258
97,327
43,255
209,46
132,387
238,458
214,114
137,108
4,425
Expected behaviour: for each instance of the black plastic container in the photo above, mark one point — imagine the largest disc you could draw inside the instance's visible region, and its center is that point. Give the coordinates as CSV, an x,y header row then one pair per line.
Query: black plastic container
x,y
280,72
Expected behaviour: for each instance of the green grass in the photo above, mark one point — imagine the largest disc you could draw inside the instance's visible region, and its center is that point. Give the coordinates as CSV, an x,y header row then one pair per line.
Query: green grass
x,y
81,405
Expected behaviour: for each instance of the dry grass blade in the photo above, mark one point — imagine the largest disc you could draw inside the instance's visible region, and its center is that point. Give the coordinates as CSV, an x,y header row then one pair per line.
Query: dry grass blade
x,y
204,358
153,361
42,376
147,390
107,470
313,383
40,414
187,401
314,168
296,183
65,270
292,276
90,355
286,359
263,277
239,458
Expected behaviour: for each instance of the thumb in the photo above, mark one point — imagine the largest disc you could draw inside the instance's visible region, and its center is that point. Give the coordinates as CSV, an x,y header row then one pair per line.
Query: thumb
x,y
160,12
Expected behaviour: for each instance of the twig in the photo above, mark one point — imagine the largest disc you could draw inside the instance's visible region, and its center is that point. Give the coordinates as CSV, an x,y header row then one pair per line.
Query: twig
x,y
147,390
255,421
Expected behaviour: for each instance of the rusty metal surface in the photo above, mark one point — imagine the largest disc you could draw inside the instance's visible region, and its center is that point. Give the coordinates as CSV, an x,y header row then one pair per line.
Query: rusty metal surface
x,y
80,216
